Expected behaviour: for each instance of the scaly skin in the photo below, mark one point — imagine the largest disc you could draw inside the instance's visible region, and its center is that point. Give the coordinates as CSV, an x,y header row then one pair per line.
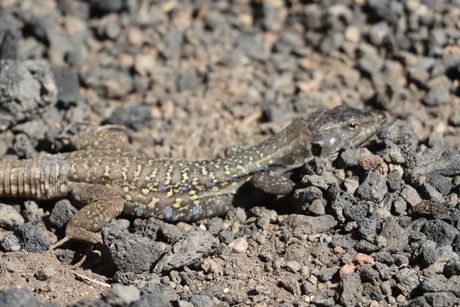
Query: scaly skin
x,y
108,182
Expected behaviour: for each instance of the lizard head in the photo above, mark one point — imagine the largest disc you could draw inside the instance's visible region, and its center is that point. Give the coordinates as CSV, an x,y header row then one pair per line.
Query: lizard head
x,y
341,127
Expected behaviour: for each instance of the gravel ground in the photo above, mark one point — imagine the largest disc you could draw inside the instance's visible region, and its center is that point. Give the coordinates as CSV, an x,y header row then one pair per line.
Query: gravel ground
x,y
188,79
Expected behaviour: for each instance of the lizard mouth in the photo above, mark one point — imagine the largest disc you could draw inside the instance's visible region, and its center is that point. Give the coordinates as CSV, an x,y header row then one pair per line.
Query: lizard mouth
x,y
381,117
317,151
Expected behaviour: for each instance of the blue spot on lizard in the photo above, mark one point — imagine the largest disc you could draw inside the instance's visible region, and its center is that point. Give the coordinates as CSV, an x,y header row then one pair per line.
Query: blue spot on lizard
x,y
195,210
168,213
257,169
139,211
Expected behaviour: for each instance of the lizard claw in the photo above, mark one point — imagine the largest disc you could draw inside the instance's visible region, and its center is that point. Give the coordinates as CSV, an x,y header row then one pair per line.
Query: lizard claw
x,y
59,243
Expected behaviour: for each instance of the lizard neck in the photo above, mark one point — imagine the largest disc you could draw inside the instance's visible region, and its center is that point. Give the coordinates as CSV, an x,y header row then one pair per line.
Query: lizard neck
x,y
287,150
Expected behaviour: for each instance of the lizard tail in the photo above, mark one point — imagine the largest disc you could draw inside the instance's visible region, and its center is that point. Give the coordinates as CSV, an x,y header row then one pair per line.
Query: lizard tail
x,y
35,178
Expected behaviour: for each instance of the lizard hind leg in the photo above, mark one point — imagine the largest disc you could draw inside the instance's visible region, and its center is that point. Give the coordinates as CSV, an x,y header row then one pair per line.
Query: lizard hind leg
x,y
102,205
101,139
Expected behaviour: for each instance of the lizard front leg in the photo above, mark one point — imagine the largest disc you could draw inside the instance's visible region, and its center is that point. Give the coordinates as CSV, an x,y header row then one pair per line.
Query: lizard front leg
x,y
271,183
101,206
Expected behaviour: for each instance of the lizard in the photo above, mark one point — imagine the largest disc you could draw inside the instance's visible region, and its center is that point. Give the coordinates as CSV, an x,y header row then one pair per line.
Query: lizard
x,y
107,182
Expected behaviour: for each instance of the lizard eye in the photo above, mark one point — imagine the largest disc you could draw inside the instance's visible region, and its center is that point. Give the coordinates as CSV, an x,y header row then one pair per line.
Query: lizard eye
x,y
353,126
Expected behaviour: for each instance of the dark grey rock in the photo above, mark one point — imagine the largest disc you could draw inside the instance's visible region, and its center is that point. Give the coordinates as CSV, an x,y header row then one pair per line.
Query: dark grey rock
x,y
356,212
367,227
390,11
68,86
27,89
397,237
442,161
174,40
434,283
125,278
331,42
289,41
21,298
324,298
452,267
302,225
349,157
440,299
169,233
450,62
107,81
109,28
134,117
23,147
435,139
383,257
352,289
456,245
106,6
325,274
454,120
9,39
226,236
272,16
394,180
401,259
453,285
373,188
188,250
428,256
442,184
379,32
77,8
251,45
317,207
10,243
321,181
407,281
440,232
130,252
148,228
384,270
187,82
400,206
390,94
429,192
373,291
308,194
121,295
438,91
41,27
89,302
370,65
307,287
366,247
148,300
399,132
62,212
31,239
9,217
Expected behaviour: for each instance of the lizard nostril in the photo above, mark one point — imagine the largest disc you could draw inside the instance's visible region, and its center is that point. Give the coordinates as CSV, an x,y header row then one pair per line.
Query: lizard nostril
x,y
316,149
